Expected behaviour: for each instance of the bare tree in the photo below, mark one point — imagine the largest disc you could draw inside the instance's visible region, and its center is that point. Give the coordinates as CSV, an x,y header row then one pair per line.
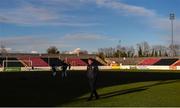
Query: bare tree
x,y
130,51
176,49
144,49
3,49
160,50
107,52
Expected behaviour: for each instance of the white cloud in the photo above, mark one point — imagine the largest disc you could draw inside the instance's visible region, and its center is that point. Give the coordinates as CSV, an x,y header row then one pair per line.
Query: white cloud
x,y
83,37
41,43
149,16
26,15
127,9
30,43
31,14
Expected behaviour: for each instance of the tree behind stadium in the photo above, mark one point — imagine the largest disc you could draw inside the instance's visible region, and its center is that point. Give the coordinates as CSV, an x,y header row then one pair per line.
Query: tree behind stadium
x,y
53,50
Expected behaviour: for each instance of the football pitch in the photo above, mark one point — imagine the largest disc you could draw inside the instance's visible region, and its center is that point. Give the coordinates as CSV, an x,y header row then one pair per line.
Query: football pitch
x,y
116,88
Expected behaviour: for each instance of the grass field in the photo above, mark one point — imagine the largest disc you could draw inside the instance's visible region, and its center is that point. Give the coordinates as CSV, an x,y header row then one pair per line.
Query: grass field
x,y
116,88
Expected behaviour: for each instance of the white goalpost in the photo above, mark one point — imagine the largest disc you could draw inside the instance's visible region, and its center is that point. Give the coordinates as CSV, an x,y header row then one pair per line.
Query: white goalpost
x,y
26,63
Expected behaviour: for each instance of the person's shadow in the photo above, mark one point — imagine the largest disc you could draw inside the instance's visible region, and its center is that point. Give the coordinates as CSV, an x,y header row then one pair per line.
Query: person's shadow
x,y
137,89
131,90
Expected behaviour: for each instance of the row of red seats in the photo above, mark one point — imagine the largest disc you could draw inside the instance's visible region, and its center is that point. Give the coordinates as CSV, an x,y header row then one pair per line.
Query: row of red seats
x,y
149,61
38,62
33,61
76,62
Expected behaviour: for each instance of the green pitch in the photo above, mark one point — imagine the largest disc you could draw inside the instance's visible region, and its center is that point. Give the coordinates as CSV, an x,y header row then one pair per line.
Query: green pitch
x,y
115,87
142,94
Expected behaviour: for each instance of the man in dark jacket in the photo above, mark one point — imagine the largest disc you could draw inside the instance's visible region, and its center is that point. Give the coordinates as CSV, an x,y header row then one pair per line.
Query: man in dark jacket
x,y
92,73
53,68
64,69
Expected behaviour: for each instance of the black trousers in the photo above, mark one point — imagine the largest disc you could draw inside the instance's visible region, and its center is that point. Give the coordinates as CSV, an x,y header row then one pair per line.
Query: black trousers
x,y
92,85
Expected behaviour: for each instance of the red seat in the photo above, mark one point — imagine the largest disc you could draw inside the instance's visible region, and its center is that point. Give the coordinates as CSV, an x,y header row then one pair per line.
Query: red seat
x,y
76,62
149,61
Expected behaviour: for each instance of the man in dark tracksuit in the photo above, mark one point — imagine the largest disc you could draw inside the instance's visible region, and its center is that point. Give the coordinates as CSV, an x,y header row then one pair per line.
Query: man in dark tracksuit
x,y
64,69
92,72
53,68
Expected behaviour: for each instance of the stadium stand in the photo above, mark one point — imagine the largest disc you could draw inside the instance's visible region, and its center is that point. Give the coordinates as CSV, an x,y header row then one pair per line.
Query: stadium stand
x,y
149,61
53,61
101,61
126,61
36,61
166,62
76,62
45,60
177,63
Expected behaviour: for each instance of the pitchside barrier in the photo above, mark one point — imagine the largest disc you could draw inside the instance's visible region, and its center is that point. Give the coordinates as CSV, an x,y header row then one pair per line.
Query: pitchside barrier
x,y
1,69
58,68
85,67
154,67
150,67
35,68
178,67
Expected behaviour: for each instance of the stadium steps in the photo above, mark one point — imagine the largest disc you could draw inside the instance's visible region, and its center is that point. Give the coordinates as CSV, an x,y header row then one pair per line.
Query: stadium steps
x,y
149,61
23,63
166,62
25,60
177,63
101,61
36,61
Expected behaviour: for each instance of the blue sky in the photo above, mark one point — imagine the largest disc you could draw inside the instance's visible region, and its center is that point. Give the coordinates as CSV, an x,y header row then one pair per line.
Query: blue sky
x,y
27,25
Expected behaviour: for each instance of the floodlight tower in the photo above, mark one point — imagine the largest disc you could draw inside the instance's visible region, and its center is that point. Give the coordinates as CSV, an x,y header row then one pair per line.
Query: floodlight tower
x,y
172,18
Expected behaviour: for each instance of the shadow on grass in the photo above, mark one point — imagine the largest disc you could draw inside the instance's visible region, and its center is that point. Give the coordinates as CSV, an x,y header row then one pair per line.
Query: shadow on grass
x,y
131,90
39,89
137,89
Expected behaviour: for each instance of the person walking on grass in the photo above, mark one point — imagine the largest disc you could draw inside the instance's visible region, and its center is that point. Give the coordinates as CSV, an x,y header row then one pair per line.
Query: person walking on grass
x,y
92,73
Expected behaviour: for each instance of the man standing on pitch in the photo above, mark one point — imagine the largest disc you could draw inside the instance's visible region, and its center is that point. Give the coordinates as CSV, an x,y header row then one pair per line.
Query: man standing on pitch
x,y
53,68
92,72
64,69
